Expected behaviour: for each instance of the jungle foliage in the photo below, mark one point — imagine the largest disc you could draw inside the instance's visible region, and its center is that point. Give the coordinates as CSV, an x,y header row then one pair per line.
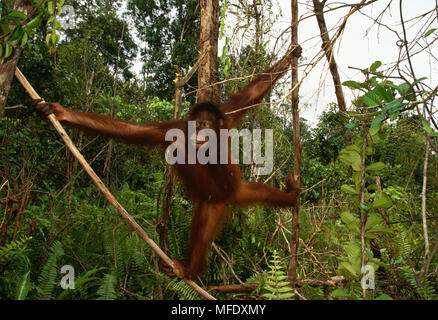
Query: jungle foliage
x,y
51,215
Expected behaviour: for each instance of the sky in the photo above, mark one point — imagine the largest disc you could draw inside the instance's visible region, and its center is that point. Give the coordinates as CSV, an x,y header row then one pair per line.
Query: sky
x,y
360,45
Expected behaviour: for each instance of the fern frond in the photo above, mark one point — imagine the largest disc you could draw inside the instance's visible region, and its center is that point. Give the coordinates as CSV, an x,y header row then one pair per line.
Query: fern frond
x,y
10,249
107,289
403,243
47,278
183,290
276,283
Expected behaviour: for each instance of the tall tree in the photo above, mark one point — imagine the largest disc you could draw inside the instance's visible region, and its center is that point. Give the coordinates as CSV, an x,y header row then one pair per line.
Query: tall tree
x,y
169,31
208,42
108,34
327,46
7,65
292,272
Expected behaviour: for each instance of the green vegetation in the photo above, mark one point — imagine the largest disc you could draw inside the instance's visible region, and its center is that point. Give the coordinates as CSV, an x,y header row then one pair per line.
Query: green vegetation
x,y
52,215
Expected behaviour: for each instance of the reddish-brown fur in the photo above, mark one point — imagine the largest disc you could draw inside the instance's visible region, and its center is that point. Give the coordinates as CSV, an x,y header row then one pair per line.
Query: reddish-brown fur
x,y
211,187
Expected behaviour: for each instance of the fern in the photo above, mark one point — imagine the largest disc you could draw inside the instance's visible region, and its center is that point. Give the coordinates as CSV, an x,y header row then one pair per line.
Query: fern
x,y
180,225
183,290
107,288
425,290
138,255
109,249
403,243
10,249
124,252
49,273
276,282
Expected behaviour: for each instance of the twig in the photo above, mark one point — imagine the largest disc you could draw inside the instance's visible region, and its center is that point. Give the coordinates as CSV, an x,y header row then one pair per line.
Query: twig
x,y
15,107
381,210
227,261
425,265
314,186
413,220
235,288
363,213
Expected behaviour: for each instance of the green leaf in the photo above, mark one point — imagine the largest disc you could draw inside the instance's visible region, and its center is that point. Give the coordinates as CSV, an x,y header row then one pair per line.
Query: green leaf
x,y
34,23
353,84
8,50
371,99
54,38
351,125
350,220
351,156
394,104
270,288
356,166
4,28
59,7
418,81
429,32
365,206
376,65
16,34
286,295
349,189
394,115
373,220
24,39
348,267
384,94
50,8
270,296
382,201
1,50
377,166
378,229
429,129
23,287
404,89
357,178
56,25
339,293
375,124
17,14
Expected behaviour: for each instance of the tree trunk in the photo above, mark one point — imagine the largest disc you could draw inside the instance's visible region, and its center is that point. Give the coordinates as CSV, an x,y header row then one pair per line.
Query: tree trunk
x,y
363,213
208,42
292,272
327,46
164,218
108,158
7,66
